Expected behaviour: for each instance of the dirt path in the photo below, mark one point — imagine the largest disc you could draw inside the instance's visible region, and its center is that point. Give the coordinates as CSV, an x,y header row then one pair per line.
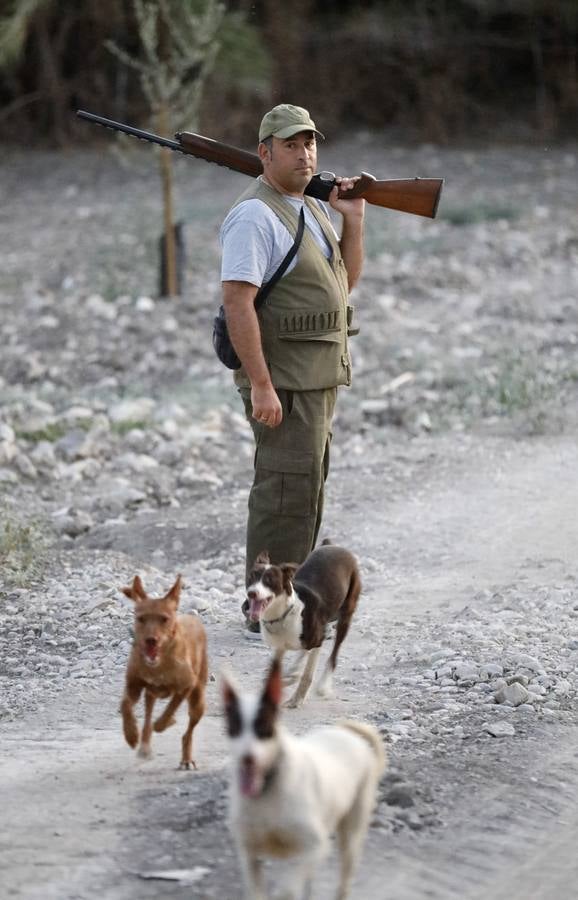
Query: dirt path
x,y
82,817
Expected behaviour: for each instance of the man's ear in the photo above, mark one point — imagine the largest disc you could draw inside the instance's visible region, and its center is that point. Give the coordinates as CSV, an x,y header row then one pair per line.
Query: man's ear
x,y
264,152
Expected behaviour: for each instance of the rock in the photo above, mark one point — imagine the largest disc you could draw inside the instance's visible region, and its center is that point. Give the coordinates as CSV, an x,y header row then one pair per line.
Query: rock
x,y
466,673
399,795
137,410
43,455
500,729
519,679
513,694
524,661
24,466
137,462
76,444
491,670
73,523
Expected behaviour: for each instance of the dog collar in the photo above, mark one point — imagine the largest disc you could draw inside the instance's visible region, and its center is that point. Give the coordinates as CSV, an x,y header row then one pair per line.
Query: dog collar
x,y
268,622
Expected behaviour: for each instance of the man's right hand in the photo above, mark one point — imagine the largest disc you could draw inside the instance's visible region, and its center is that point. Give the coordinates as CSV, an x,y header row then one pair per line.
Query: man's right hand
x,y
266,405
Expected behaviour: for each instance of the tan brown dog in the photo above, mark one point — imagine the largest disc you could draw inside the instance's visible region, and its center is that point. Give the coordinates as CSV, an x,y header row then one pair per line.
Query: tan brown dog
x,y
168,659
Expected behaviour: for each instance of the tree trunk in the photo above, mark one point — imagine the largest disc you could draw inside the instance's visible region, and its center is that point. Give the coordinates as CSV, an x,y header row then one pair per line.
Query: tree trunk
x,y
166,163
286,27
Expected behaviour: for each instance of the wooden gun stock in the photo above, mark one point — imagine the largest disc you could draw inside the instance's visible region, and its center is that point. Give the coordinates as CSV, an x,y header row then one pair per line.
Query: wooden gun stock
x,y
419,196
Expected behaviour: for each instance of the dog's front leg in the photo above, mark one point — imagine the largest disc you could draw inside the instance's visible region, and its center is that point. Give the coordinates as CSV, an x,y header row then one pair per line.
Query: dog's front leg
x,y
294,671
325,685
300,694
167,717
299,885
129,723
252,871
144,749
196,710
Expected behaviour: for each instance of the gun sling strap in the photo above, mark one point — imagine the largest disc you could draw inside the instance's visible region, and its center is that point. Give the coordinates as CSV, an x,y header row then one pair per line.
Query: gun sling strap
x,y
265,289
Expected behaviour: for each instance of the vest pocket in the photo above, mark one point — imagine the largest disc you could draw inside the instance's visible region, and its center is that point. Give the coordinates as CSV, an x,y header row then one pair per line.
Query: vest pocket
x,y
352,328
283,482
307,325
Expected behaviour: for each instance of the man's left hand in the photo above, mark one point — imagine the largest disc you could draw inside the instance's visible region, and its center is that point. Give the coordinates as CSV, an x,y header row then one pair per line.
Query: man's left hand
x,y
349,208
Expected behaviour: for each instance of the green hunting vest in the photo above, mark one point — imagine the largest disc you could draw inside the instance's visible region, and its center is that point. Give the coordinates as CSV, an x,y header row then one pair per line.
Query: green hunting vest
x,y
304,320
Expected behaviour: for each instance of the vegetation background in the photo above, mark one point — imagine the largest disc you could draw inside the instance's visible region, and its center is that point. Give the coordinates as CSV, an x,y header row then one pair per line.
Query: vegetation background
x,y
434,69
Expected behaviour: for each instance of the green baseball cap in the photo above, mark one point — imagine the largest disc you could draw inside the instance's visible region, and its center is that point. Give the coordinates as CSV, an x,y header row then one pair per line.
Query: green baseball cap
x,y
285,120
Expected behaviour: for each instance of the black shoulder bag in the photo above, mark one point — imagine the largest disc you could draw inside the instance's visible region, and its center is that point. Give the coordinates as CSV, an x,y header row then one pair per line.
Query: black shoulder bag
x,y
221,340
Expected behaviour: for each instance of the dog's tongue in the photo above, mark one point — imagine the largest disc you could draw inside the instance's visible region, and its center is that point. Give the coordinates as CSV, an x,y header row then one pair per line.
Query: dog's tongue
x,y
255,610
250,779
152,653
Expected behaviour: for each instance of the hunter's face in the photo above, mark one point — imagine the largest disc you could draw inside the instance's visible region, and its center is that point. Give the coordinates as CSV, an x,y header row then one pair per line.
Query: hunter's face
x,y
291,162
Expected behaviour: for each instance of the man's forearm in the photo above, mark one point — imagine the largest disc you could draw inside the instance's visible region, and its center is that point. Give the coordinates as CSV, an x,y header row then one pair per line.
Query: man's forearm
x,y
351,245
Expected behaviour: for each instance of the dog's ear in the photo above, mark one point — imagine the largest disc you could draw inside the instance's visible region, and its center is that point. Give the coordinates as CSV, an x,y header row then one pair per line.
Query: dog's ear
x,y
174,595
231,706
288,570
264,725
272,688
263,558
136,591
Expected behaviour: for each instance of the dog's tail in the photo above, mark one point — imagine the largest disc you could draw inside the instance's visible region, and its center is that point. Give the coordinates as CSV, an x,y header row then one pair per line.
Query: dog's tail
x,y
370,734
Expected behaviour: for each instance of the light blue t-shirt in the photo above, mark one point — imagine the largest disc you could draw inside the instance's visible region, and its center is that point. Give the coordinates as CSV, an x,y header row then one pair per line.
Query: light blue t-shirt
x,y
255,241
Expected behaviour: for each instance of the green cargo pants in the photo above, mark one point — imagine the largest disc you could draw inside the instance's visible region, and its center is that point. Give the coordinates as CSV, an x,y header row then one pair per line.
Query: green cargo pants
x,y
291,465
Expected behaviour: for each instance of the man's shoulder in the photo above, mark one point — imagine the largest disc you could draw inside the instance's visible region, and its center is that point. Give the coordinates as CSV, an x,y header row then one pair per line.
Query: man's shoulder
x,y
250,211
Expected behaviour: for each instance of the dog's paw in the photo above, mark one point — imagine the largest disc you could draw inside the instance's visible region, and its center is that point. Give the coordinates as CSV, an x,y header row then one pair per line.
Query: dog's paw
x,y
131,733
294,702
187,765
144,751
161,724
325,690
325,693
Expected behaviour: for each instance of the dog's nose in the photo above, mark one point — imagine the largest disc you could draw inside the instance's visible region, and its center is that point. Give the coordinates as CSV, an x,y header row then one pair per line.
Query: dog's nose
x,y
252,595
151,642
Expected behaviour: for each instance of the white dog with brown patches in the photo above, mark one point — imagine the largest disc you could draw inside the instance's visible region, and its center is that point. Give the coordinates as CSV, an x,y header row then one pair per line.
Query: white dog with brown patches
x,y
289,795
295,604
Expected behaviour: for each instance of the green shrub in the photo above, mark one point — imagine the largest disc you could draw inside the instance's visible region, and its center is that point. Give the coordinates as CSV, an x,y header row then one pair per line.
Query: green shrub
x,y
23,549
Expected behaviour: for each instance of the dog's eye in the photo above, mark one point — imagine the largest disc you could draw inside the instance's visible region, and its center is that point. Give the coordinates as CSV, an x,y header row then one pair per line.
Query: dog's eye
x,y
140,619
164,620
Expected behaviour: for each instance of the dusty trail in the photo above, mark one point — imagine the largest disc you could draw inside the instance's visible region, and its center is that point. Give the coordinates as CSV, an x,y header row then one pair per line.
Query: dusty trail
x,y
506,512
82,816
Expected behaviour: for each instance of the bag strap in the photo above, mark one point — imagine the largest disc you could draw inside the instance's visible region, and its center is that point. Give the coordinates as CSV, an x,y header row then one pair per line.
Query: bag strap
x,y
264,290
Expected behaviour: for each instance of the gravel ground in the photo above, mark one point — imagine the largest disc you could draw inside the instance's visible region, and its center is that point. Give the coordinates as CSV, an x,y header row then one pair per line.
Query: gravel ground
x,y
123,450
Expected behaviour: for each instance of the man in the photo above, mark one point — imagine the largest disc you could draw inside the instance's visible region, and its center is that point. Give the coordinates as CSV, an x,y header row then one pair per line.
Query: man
x,y
294,350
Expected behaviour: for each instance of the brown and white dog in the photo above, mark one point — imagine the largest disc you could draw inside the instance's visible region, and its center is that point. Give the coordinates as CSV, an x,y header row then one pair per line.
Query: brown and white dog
x,y
289,795
295,604
168,659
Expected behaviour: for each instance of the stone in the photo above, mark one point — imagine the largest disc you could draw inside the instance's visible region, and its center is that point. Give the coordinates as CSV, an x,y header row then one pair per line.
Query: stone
x,y
512,694
500,729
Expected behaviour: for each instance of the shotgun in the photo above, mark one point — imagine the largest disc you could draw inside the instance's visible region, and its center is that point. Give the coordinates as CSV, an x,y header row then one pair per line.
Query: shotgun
x,y
419,196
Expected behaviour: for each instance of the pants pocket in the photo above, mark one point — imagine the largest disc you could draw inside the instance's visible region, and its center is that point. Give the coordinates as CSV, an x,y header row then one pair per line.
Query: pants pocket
x,y
283,482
